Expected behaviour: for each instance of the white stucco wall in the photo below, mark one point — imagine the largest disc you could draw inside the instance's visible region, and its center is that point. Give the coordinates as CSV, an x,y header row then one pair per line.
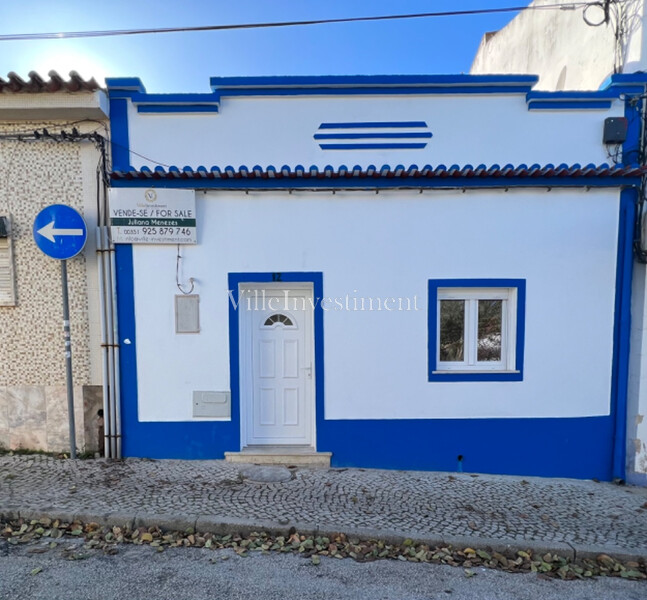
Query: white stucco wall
x,y
467,129
563,243
559,47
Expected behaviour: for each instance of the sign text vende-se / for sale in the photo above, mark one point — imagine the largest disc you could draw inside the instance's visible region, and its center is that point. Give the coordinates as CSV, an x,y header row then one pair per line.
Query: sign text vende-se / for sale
x,y
152,216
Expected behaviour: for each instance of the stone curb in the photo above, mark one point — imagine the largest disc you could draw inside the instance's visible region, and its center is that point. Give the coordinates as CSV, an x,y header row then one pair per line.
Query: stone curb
x,y
224,526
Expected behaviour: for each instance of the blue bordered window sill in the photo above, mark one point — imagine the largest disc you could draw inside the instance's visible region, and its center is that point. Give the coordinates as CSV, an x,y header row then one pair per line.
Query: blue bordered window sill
x,y
467,376
474,372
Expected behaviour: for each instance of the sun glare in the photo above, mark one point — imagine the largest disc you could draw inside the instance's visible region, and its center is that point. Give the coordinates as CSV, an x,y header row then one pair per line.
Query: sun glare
x,y
85,64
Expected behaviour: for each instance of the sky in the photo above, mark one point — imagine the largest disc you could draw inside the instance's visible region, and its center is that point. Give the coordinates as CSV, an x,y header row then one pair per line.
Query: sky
x,y
183,62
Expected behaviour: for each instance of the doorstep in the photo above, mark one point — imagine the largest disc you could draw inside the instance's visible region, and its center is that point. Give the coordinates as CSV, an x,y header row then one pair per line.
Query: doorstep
x,y
280,455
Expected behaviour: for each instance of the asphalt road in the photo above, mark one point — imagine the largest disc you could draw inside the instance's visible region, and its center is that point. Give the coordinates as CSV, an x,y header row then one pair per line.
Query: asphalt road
x,y
140,572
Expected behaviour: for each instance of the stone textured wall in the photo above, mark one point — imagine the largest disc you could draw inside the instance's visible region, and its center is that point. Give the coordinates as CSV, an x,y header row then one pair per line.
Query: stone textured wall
x,y
33,406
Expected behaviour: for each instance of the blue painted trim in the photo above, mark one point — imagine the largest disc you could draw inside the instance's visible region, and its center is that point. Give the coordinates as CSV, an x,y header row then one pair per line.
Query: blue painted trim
x,y
624,274
432,325
132,89
622,330
629,78
179,108
609,94
119,135
369,183
125,84
355,91
316,278
191,98
574,100
570,447
364,136
631,147
373,125
355,81
385,146
550,105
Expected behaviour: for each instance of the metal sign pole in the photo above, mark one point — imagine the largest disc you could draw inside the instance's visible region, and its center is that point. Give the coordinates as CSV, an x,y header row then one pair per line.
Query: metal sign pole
x,y
60,232
68,358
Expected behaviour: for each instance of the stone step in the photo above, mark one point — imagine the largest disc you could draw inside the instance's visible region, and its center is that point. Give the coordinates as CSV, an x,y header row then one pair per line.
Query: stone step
x,y
280,457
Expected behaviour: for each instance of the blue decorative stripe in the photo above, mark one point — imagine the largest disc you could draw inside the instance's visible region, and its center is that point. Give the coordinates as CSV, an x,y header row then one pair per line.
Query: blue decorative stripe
x,y
570,95
385,146
574,105
353,91
360,136
192,98
315,81
177,108
373,124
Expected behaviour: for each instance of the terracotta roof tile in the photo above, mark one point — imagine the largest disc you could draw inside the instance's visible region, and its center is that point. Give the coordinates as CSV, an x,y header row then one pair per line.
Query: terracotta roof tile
x,y
36,84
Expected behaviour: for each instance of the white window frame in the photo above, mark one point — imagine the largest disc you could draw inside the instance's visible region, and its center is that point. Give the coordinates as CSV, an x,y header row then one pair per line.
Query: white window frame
x,y
470,363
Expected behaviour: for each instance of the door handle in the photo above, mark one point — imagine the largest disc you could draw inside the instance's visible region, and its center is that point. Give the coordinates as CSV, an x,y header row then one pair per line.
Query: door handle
x,y
308,369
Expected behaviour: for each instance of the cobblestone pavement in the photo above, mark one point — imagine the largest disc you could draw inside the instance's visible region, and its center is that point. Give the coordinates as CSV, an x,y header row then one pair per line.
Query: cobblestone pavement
x,y
515,510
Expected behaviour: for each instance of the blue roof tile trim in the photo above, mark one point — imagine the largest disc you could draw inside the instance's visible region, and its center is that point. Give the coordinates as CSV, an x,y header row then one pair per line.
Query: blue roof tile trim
x,y
396,176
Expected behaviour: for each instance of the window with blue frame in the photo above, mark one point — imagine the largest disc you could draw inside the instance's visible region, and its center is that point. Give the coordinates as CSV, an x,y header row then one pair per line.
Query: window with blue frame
x,y
476,329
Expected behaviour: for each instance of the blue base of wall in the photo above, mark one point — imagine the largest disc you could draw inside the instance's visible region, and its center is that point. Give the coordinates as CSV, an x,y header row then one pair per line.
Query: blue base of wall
x,y
578,448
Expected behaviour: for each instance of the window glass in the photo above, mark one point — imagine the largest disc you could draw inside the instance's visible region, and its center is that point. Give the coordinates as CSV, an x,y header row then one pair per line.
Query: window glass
x,y
490,319
452,327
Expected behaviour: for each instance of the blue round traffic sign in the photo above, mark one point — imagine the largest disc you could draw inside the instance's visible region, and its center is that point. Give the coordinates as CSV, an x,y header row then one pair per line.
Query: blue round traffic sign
x,y
60,231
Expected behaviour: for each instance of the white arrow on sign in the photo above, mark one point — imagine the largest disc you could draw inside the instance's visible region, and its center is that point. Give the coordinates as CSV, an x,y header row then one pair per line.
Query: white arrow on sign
x,y
49,232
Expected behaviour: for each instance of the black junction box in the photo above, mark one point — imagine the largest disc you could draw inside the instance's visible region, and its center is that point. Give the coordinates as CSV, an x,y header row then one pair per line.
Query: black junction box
x,y
615,130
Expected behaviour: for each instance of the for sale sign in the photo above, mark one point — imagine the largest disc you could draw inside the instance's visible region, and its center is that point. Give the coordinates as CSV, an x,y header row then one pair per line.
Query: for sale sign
x,y
152,216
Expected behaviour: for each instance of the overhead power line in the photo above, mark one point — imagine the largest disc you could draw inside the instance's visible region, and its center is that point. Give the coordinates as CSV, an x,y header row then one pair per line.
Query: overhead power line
x,y
452,13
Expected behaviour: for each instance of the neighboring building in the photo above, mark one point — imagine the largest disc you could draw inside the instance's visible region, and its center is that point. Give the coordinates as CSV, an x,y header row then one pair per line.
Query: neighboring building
x,y
563,50
568,54
39,168
418,272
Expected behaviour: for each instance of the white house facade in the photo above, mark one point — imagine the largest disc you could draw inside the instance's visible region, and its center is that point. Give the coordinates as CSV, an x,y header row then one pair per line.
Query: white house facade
x,y
412,272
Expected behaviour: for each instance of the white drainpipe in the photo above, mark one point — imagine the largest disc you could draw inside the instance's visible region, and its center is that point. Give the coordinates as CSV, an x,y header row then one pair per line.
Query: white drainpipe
x,y
109,344
115,349
104,344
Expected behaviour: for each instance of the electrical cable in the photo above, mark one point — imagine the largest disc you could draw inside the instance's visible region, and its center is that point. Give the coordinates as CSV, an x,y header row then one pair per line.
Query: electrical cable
x,y
266,25
177,274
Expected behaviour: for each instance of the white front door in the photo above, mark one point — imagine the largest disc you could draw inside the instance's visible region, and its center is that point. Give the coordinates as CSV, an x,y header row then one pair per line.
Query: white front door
x,y
277,364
